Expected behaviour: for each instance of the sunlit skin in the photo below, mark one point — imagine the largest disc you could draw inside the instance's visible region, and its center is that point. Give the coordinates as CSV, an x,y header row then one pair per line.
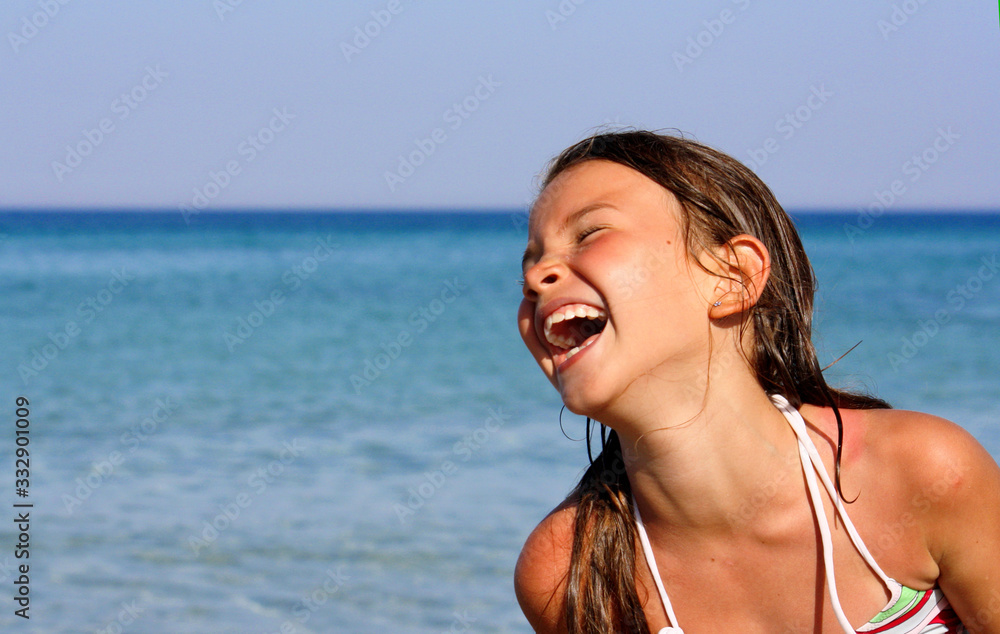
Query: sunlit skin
x,y
612,239
701,437
591,247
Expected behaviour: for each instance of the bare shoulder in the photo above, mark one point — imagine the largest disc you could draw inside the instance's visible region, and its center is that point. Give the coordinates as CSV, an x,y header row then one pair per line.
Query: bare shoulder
x,y
958,484
939,463
928,450
543,567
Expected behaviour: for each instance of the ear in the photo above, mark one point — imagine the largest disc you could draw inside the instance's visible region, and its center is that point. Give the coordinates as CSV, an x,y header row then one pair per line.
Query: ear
x,y
745,264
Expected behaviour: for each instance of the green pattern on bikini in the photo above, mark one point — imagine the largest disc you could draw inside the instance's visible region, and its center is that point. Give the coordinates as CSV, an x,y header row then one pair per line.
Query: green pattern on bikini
x,y
907,597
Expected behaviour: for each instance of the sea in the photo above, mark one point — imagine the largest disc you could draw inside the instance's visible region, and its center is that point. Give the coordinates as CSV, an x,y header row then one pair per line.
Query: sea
x,y
292,422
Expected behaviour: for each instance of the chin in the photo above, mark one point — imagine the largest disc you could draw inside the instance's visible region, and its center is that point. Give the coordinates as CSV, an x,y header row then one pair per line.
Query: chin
x,y
582,402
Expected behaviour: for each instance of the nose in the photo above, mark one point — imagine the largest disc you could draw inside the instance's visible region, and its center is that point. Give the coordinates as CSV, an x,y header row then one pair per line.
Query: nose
x,y
541,276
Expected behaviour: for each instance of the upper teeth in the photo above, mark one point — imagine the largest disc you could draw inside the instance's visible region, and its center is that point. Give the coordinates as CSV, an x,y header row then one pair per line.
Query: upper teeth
x,y
564,313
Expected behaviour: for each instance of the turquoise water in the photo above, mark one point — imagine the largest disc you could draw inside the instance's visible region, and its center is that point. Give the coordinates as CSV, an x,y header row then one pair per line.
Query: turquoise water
x,y
324,422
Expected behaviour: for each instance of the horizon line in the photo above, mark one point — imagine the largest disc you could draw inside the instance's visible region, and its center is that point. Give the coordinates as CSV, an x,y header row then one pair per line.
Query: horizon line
x,y
444,210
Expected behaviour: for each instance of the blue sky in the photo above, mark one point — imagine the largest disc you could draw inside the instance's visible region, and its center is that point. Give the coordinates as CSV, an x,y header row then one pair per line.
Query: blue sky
x,y
414,104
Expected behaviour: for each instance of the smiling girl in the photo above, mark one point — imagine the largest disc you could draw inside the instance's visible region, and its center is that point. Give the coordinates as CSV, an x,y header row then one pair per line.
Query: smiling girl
x,y
668,297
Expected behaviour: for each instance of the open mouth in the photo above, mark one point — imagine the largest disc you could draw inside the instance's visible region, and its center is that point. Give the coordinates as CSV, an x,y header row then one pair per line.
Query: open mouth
x,y
573,327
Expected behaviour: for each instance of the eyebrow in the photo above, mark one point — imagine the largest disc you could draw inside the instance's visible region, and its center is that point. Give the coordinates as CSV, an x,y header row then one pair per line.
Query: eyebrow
x,y
570,219
583,211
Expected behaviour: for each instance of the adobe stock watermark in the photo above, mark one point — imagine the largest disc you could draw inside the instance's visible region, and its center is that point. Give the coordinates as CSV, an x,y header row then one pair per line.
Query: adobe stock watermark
x,y
256,484
627,281
225,7
985,615
292,279
460,622
93,138
798,627
788,125
921,502
87,311
375,365
454,116
765,494
128,614
313,600
139,432
370,30
562,12
521,218
102,470
900,15
703,40
957,299
914,168
462,451
32,25
248,150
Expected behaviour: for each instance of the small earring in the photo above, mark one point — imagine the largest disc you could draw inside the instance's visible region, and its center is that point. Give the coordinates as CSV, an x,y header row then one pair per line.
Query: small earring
x,y
718,303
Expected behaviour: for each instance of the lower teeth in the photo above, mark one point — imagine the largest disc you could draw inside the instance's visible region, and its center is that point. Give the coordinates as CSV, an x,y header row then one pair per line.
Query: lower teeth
x,y
576,349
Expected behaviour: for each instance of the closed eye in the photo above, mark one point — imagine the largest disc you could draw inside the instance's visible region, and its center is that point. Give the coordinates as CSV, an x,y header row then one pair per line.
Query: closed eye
x,y
580,237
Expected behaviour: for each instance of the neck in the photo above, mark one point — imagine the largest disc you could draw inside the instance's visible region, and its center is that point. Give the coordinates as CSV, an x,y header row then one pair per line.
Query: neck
x,y
696,457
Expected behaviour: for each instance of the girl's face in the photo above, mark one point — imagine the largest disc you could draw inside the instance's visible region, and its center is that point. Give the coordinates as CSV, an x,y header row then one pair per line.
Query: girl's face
x,y
613,305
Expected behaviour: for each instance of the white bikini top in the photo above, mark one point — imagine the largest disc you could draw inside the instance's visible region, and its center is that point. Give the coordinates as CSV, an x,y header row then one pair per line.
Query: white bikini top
x,y
811,465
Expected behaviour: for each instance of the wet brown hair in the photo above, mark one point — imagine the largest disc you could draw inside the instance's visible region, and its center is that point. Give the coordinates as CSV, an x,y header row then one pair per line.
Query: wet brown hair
x,y
720,199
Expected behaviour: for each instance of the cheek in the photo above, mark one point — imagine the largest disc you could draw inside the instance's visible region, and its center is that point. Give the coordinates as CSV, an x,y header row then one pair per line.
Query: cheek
x,y
663,306
525,313
616,269
632,271
526,326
